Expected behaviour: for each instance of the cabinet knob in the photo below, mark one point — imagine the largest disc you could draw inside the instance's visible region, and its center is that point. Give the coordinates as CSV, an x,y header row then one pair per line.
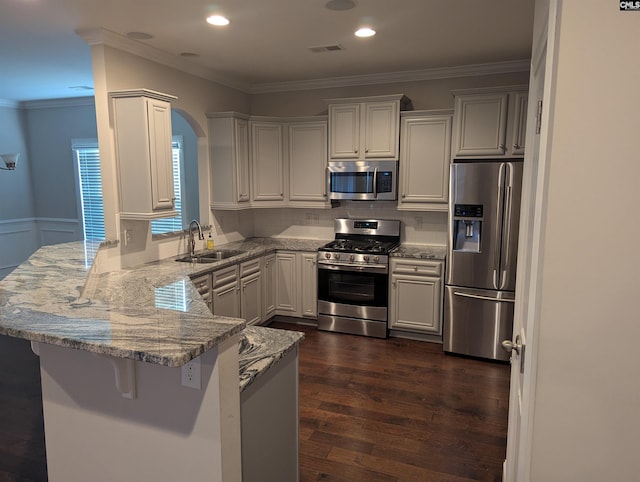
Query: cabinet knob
x,y
404,195
516,146
503,147
356,151
366,150
415,268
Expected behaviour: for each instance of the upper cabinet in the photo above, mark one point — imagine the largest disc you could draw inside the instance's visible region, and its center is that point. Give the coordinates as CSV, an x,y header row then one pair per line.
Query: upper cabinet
x,y
365,128
142,126
490,123
425,140
267,162
229,157
307,153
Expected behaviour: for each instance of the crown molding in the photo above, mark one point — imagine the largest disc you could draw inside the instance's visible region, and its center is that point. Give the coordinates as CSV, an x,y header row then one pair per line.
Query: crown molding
x,y
55,103
101,36
12,104
395,77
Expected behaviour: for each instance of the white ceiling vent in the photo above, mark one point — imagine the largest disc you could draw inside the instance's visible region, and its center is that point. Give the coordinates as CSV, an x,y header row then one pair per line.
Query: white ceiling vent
x,y
326,48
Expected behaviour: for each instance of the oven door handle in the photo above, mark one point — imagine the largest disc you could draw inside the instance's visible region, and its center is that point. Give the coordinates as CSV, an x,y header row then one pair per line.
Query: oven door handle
x,y
349,267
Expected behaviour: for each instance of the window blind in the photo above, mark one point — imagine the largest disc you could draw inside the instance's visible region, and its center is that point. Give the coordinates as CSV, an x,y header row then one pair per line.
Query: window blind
x,y
169,225
88,159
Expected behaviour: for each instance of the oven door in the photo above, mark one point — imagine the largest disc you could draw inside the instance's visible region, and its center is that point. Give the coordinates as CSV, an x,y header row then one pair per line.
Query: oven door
x,y
362,180
353,292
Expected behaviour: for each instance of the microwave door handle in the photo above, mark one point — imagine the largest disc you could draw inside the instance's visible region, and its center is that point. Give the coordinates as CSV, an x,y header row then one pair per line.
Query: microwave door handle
x,y
375,183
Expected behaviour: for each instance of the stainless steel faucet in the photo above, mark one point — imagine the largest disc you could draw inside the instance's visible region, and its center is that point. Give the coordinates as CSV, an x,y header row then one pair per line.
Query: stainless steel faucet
x,y
192,241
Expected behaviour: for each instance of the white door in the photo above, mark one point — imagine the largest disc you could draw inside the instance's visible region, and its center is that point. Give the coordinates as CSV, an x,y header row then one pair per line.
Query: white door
x,y
523,361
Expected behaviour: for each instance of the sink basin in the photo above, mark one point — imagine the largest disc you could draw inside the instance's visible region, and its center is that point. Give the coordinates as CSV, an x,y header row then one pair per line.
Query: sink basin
x,y
212,256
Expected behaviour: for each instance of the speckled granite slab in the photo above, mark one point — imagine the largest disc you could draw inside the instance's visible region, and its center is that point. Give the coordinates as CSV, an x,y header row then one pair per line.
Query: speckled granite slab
x,y
420,251
45,300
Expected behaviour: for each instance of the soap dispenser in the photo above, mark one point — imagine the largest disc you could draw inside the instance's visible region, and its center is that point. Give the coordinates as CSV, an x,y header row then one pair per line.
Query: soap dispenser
x,y
209,242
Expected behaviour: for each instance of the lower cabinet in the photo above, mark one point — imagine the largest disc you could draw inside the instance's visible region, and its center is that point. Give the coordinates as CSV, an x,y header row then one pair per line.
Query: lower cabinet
x,y
268,286
226,292
296,284
251,291
415,295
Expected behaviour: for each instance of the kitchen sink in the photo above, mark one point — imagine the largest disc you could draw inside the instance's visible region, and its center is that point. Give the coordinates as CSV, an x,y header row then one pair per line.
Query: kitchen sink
x,y
211,256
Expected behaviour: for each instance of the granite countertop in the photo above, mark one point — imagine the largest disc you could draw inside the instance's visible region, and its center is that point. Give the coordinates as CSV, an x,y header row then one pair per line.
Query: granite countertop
x,y
420,251
151,313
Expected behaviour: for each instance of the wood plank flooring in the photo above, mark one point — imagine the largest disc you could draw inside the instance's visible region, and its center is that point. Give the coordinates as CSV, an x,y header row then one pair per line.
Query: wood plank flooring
x,y
397,410
370,410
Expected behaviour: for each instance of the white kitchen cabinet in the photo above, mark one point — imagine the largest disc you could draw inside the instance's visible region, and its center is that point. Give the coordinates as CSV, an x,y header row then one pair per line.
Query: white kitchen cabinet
x,y
489,123
229,158
267,163
142,128
415,296
286,283
296,284
269,286
309,284
226,292
364,128
425,139
251,291
307,156
203,284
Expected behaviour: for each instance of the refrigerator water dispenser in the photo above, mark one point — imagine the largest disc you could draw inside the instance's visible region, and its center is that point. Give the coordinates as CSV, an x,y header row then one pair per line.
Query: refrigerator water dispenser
x,y
467,227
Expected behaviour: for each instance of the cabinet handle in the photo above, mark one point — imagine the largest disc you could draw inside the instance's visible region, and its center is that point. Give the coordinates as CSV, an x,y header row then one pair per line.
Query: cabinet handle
x,y
503,147
516,146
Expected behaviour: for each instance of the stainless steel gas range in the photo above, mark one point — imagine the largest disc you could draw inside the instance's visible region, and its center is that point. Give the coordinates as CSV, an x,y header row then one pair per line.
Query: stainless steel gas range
x,y
353,277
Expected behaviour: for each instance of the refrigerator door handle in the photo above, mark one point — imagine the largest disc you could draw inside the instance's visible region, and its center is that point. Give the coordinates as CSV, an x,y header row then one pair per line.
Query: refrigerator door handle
x,y
499,227
506,228
485,298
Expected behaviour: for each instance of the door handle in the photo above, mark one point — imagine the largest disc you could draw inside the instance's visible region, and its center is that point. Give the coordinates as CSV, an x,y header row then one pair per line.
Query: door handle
x,y
510,346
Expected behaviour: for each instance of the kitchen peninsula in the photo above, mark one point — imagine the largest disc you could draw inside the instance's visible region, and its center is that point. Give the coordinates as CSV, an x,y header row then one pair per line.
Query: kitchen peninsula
x,y
114,397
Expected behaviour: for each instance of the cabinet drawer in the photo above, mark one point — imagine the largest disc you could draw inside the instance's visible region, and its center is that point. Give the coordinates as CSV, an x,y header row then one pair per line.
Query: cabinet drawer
x,y
416,267
224,276
249,267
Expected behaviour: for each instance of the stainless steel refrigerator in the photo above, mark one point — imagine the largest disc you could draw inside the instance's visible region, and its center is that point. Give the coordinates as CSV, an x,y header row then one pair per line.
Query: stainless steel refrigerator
x,y
484,214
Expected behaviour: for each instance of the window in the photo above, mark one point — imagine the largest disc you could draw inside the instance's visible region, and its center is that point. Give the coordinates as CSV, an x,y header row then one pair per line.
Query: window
x,y
88,161
169,225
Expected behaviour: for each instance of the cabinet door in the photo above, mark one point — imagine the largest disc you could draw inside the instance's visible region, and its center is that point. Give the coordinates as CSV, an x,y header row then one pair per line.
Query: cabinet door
x,y
344,134
269,286
309,284
241,140
519,123
286,284
159,115
381,130
251,298
424,162
480,122
225,300
415,304
308,161
267,161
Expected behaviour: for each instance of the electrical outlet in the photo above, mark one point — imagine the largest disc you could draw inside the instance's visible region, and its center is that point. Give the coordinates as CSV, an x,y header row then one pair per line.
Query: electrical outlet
x,y
190,374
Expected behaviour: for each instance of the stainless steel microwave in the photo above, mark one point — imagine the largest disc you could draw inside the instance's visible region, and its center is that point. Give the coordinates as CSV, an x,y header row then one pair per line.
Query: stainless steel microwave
x,y
363,180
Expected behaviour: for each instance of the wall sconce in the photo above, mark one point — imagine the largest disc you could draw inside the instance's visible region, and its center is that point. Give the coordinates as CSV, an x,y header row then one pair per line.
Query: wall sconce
x,y
10,161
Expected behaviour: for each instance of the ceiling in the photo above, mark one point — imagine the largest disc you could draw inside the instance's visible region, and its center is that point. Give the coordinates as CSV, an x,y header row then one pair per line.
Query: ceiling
x,y
267,42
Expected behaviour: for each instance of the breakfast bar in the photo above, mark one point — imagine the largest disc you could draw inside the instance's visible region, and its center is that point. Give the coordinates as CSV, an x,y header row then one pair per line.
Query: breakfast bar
x,y
133,388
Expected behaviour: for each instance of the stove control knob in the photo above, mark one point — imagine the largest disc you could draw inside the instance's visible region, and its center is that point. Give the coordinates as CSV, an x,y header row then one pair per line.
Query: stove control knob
x,y
336,256
351,257
327,255
366,258
376,259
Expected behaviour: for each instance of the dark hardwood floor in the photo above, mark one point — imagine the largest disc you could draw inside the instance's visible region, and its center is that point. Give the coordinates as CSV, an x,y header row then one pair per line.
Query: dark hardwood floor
x,y
398,410
370,410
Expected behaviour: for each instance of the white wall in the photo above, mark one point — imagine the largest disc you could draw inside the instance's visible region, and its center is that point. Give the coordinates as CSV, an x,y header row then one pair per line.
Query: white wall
x,y
586,424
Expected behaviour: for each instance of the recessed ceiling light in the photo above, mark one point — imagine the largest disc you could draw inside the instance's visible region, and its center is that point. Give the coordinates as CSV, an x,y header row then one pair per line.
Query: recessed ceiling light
x,y
139,35
218,20
340,4
365,32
